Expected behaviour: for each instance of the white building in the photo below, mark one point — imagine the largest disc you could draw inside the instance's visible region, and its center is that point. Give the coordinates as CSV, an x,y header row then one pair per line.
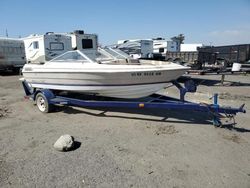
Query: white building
x,y
190,47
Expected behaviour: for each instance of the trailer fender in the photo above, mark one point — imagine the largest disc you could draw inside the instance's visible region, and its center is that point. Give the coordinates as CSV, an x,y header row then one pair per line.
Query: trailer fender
x,y
46,92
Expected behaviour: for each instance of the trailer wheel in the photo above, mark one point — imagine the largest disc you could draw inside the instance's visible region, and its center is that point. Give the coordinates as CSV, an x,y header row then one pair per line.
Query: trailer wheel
x,y
42,103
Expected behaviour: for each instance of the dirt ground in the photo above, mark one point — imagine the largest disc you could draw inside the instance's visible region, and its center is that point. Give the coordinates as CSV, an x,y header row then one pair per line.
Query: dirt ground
x,y
124,147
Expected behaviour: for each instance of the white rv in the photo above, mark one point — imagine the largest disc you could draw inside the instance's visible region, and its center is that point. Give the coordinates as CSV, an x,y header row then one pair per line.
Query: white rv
x,y
137,48
160,46
84,42
12,54
41,48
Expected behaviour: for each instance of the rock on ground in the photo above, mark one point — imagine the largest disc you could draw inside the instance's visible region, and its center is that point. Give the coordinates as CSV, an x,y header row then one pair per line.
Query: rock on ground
x,y
64,143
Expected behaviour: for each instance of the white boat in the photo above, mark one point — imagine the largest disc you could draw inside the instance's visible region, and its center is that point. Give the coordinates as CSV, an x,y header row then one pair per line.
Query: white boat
x,y
107,72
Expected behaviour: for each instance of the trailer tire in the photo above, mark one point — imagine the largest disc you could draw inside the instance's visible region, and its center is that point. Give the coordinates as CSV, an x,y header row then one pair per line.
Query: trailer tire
x,y
42,103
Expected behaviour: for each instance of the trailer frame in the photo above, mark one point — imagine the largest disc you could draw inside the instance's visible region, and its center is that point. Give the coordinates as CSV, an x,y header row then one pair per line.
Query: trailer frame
x,y
45,99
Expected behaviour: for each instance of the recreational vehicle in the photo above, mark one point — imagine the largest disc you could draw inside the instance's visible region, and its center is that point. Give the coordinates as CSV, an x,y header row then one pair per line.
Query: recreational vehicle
x,y
141,48
84,42
160,46
12,54
42,48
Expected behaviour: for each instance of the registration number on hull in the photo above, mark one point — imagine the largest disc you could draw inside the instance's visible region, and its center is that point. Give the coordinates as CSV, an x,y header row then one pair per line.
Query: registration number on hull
x,y
146,74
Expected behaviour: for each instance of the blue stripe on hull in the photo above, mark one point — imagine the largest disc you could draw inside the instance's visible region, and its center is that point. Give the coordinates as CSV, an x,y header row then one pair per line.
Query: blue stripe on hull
x,y
97,84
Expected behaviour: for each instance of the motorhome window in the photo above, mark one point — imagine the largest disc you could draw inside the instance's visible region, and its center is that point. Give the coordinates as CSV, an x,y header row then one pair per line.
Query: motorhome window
x,y
56,46
161,50
87,43
36,45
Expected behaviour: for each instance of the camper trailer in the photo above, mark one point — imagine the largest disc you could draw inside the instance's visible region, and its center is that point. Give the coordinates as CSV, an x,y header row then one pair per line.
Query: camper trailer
x,y
138,48
12,54
84,42
42,48
160,46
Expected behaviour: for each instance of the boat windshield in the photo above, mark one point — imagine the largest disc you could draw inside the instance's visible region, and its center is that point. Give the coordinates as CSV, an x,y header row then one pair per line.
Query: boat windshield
x,y
116,53
106,54
75,56
101,55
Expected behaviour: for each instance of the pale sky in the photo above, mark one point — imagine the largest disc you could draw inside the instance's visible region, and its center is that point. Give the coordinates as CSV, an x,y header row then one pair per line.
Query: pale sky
x,y
215,22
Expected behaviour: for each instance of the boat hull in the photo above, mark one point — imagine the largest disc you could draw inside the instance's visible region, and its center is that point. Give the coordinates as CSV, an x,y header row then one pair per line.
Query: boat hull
x,y
134,91
109,84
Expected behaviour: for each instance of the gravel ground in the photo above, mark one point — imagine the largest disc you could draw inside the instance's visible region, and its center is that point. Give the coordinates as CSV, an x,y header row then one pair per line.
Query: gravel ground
x,y
123,147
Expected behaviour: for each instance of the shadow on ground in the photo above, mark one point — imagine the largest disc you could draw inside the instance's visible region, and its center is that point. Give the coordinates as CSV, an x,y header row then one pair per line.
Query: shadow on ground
x,y
180,116
168,116
232,127
9,73
173,116
76,145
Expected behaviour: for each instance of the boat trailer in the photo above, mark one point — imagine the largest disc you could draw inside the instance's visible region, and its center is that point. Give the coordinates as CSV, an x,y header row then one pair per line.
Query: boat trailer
x,y
45,99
